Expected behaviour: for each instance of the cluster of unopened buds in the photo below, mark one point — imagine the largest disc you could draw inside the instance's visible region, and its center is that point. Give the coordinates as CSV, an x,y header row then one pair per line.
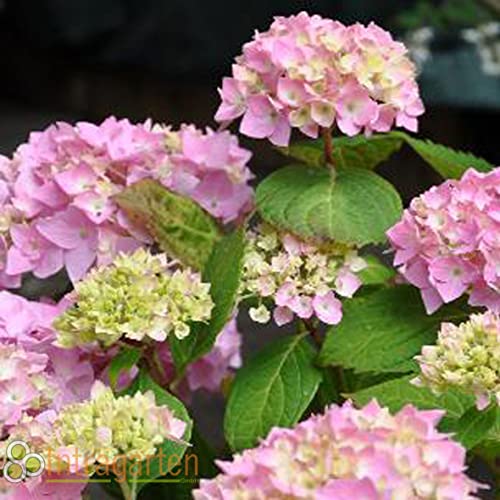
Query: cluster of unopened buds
x,y
57,191
137,296
448,241
309,73
349,453
301,278
100,430
466,357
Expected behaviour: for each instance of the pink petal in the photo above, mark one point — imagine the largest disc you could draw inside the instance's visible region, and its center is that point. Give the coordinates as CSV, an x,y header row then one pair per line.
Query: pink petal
x,y
348,489
66,229
282,315
78,261
328,308
17,262
302,306
76,180
50,263
259,121
432,300
282,132
346,284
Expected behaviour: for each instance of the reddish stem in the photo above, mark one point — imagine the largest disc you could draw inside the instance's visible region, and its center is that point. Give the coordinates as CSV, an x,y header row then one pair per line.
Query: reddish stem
x,y
326,134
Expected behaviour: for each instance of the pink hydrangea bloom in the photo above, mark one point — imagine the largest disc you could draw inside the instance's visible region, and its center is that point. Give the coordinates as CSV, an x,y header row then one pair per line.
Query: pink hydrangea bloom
x,y
35,375
26,323
56,192
448,241
307,72
44,487
348,453
36,378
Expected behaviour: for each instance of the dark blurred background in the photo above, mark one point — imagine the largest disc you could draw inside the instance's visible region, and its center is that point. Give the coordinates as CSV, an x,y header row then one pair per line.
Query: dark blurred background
x,y
87,59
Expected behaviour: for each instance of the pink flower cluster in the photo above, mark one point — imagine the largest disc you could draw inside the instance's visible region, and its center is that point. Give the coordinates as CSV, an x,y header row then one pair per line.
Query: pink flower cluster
x,y
35,375
310,73
448,241
35,378
56,193
346,454
301,278
37,489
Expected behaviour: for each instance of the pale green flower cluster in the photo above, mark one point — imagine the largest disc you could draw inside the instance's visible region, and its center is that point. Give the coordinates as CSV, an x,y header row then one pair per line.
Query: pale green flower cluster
x,y
137,296
467,357
106,427
101,430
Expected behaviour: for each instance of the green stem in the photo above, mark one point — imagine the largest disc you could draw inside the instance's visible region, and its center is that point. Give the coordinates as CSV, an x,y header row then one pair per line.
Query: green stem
x,y
337,372
155,368
311,328
128,493
134,491
340,379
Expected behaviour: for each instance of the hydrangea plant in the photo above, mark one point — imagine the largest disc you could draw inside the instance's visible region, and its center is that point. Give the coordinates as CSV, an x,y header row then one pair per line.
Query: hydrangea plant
x,y
384,381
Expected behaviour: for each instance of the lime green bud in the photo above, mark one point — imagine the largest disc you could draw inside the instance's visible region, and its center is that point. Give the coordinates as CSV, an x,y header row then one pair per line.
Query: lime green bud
x,y
466,357
107,427
137,296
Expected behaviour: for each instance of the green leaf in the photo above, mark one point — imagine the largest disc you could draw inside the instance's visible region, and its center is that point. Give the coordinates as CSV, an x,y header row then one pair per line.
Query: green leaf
x,y
122,362
355,382
399,392
474,425
382,331
447,162
359,151
489,448
357,207
375,273
273,389
160,466
223,272
180,226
